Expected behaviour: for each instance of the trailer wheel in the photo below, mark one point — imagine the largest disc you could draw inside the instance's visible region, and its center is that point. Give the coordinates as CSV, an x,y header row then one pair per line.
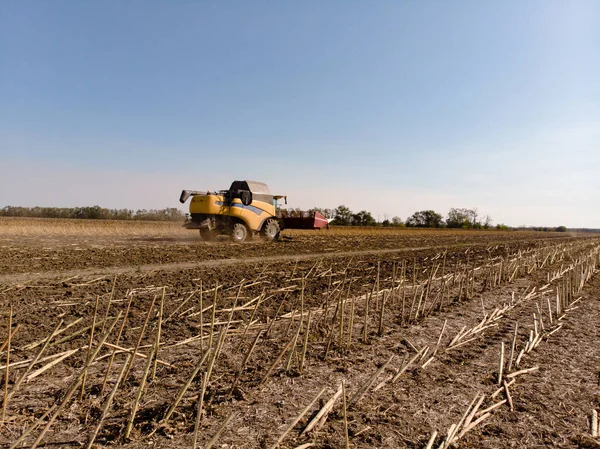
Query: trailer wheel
x,y
239,232
270,230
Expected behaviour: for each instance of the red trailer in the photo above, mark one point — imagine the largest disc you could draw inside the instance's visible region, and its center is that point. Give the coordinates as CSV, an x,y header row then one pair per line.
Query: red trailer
x,y
307,220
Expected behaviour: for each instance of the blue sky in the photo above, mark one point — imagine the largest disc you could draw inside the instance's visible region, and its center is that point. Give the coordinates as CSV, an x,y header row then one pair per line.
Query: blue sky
x,y
389,106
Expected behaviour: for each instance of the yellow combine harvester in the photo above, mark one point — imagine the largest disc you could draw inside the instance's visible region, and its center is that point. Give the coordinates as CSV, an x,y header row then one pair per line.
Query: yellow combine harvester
x,y
248,208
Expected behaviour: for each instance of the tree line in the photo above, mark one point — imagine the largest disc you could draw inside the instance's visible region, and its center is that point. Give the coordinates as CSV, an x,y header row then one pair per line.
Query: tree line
x,y
458,218
94,213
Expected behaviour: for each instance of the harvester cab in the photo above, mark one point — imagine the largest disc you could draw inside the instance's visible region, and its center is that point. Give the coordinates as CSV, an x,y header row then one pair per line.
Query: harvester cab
x,y
247,209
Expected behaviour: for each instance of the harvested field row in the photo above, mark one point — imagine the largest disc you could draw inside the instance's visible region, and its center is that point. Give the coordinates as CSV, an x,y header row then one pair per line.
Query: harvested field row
x,y
275,327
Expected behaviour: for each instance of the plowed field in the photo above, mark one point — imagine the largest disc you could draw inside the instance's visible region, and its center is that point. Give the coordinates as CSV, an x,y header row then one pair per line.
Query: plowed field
x,y
154,338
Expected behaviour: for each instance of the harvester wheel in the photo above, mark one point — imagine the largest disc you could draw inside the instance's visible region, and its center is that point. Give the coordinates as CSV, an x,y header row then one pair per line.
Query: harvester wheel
x,y
208,235
270,230
239,233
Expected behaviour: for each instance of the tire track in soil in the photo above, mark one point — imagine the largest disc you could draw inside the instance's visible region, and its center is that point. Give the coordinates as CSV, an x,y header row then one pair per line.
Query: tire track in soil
x,y
98,271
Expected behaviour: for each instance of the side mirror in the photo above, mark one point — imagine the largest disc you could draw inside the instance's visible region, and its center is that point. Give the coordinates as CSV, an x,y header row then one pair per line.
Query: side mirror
x,y
246,197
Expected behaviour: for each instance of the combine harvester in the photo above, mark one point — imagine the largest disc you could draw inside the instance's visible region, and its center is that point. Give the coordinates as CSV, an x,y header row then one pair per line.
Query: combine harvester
x,y
247,209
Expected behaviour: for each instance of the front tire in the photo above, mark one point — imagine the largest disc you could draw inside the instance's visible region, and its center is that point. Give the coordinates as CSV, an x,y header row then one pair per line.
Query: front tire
x,y
239,233
270,230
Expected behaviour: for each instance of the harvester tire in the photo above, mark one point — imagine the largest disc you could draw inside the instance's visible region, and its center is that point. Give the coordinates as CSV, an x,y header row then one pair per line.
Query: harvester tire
x,y
239,233
270,230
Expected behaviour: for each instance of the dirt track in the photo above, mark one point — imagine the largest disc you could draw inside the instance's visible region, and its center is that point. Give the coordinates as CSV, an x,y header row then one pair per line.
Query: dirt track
x,y
176,266
53,253
23,259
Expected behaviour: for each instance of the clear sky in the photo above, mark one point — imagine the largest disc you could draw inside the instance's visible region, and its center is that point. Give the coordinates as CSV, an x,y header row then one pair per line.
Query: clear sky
x,y
389,106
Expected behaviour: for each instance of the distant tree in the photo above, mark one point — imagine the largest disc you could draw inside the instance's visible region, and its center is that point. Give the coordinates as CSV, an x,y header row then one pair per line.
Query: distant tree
x,y
93,213
459,218
474,214
343,216
541,229
363,218
397,221
386,223
13,211
291,212
502,227
90,212
487,223
425,219
561,229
